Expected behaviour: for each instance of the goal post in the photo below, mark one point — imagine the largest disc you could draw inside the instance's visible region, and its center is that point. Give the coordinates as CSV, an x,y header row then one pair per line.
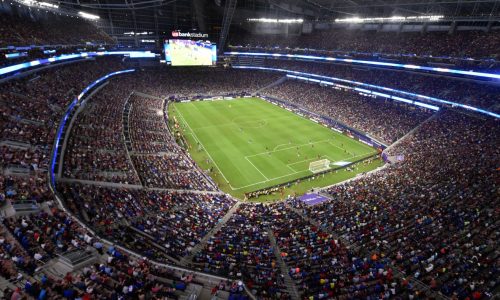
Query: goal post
x,y
319,165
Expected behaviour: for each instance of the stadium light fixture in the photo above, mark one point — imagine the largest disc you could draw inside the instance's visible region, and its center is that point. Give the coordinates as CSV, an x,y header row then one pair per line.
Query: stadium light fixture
x,y
38,4
431,18
283,21
88,16
47,4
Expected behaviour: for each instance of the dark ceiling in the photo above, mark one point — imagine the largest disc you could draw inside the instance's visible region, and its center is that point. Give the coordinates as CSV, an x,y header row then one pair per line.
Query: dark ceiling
x,y
163,16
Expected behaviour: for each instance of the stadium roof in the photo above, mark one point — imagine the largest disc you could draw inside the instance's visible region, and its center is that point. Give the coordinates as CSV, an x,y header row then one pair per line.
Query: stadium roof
x,y
376,8
125,19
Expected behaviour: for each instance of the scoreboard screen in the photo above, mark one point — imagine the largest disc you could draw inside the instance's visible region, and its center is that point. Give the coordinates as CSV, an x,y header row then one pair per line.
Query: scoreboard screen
x,y
190,53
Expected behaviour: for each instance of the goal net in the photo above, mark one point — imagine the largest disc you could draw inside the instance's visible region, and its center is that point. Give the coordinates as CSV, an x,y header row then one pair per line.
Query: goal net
x,y
319,165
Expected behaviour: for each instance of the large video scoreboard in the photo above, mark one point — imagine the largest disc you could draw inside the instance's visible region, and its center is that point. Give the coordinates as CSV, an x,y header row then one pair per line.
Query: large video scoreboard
x,y
189,52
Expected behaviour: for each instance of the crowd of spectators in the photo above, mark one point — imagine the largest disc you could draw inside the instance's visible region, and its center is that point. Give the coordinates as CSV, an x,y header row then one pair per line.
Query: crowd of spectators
x,y
26,187
96,149
171,171
383,119
9,57
433,215
242,250
431,218
478,94
148,131
155,223
13,258
430,46
44,235
192,82
27,242
425,225
159,161
30,111
52,30
323,267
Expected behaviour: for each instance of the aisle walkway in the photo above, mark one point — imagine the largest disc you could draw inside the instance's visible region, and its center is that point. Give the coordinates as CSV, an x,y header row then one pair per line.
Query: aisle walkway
x,y
186,260
289,283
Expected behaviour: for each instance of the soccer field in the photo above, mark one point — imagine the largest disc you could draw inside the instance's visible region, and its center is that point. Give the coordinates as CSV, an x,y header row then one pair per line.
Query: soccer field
x,y
253,144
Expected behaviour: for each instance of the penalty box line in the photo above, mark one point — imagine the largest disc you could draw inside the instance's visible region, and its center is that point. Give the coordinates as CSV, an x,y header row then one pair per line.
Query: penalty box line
x,y
291,147
287,165
290,174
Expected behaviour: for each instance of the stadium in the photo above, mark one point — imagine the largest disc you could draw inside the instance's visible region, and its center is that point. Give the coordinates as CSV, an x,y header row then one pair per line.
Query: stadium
x,y
251,149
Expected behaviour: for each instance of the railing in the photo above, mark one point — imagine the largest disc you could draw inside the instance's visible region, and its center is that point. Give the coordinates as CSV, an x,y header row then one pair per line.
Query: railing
x,y
66,57
445,71
373,55
70,111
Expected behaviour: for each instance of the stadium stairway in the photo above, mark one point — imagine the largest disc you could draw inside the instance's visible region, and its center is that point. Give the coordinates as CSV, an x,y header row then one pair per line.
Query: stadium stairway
x,y
272,84
6,284
15,144
215,193
151,240
410,133
186,260
127,108
136,186
101,183
289,283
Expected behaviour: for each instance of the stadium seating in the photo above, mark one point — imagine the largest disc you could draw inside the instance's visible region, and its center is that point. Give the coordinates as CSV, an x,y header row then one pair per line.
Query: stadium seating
x,y
382,119
432,215
158,159
242,249
56,30
405,46
96,150
33,239
425,225
468,92
169,222
30,111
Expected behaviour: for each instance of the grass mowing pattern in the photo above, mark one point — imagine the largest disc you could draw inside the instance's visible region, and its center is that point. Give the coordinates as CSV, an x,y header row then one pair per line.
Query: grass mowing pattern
x,y
254,144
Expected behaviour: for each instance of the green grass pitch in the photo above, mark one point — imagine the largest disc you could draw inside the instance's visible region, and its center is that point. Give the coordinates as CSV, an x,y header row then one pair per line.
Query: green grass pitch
x,y
253,144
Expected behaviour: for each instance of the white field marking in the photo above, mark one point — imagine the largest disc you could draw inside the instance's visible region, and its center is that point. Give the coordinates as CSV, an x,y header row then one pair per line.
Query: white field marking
x,y
208,153
275,148
336,146
305,118
361,155
290,174
287,165
264,181
256,168
301,161
267,152
231,123
291,147
293,170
